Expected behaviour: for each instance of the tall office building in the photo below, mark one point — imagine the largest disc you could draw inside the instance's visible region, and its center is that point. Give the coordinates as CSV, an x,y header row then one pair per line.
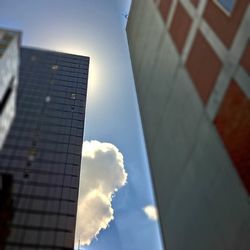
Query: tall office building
x,y
191,62
9,65
40,161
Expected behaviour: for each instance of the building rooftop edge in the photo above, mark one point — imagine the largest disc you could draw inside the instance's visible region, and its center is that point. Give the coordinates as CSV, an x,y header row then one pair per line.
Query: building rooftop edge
x,y
53,51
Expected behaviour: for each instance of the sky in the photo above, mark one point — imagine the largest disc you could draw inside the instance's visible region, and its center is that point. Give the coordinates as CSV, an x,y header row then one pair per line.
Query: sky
x,y
122,213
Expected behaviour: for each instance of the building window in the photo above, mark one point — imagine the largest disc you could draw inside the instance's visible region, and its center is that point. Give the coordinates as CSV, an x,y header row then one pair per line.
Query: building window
x,y
6,95
226,5
47,99
54,67
33,58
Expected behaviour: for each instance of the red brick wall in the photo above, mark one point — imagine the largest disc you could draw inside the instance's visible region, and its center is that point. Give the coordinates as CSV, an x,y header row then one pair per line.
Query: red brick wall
x,y
203,66
233,124
245,60
225,26
180,27
164,8
195,2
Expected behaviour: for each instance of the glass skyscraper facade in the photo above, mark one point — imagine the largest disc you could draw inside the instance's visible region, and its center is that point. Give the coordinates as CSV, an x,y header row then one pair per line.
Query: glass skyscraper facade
x,y
40,161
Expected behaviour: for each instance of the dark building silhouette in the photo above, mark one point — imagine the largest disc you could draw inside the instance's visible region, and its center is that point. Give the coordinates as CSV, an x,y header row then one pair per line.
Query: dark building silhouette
x,y
6,206
40,161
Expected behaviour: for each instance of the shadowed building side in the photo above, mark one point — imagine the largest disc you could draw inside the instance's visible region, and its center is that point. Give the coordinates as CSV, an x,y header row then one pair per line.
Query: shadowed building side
x,y
6,206
191,66
9,67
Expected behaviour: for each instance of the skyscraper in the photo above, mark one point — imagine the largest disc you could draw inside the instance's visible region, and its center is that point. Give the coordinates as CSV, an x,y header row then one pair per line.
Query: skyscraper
x,y
191,63
9,65
40,161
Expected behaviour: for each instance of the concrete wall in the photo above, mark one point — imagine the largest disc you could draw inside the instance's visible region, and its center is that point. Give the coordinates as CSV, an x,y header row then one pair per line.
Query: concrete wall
x,y
202,202
9,68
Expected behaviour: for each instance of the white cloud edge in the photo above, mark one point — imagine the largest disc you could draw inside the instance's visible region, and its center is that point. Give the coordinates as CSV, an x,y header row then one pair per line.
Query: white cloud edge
x,y
151,212
104,174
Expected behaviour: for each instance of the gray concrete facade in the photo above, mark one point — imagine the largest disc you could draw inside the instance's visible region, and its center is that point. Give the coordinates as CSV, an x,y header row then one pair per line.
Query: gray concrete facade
x,y
9,67
201,200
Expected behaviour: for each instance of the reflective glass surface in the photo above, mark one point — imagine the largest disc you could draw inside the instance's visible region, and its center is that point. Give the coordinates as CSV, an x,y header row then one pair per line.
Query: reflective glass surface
x,y
42,153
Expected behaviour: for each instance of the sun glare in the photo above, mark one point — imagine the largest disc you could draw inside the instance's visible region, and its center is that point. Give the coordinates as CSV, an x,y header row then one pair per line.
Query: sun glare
x,y
95,72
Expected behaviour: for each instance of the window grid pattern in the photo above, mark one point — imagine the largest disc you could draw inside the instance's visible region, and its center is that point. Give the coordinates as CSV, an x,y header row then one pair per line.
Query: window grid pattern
x,y
43,149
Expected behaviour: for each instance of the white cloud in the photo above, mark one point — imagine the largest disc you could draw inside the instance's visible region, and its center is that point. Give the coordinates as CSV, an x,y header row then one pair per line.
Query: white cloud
x,y
102,175
151,212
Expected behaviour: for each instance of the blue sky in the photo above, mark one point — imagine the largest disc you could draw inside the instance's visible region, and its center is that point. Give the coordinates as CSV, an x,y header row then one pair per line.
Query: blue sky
x,y
96,28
